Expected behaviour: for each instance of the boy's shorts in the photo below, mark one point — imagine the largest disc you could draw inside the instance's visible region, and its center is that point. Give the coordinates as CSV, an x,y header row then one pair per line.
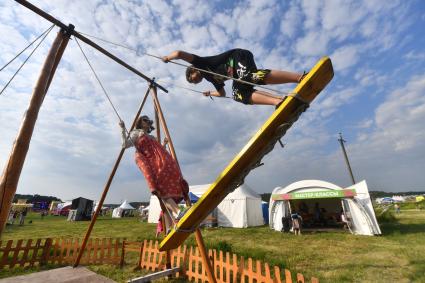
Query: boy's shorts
x,y
246,70
243,92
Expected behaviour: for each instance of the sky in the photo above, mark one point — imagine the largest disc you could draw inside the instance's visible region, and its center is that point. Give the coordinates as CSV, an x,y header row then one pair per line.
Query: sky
x,y
376,98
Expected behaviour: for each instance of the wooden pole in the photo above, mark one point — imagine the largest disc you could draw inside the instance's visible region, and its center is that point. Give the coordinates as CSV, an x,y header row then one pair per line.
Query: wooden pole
x,y
163,123
12,171
198,235
87,41
108,184
347,162
157,126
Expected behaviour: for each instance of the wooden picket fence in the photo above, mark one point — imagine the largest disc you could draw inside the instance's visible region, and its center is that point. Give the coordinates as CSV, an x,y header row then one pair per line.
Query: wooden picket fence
x,y
60,251
227,267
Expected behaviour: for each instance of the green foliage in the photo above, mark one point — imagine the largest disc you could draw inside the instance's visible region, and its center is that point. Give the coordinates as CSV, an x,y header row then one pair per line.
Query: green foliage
x,y
223,246
385,216
413,205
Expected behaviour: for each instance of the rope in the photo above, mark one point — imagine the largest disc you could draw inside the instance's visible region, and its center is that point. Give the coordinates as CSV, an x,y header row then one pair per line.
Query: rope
x,y
97,78
193,90
26,48
186,66
25,61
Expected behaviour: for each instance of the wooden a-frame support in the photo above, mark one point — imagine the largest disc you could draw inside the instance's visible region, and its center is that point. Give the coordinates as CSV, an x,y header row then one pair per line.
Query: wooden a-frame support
x,y
160,120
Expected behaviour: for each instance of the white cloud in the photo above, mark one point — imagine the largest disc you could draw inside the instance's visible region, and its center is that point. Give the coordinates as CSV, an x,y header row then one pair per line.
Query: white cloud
x,y
345,57
76,138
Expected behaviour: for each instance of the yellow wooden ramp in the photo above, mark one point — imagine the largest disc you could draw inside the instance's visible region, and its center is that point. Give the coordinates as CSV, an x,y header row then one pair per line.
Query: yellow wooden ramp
x,y
250,156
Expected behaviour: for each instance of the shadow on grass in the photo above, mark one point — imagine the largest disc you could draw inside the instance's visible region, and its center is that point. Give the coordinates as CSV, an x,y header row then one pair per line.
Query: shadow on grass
x,y
401,228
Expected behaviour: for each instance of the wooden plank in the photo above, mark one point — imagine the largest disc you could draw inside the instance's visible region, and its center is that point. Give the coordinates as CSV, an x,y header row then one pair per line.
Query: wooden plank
x,y
277,278
229,267
5,258
300,278
35,252
61,250
95,251
68,257
117,246
258,271
46,251
288,277
24,258
262,142
267,274
241,269
16,251
55,257
155,275
122,254
235,268
109,250
76,249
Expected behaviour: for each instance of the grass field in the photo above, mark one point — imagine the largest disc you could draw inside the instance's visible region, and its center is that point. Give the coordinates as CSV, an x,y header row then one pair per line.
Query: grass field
x,y
396,256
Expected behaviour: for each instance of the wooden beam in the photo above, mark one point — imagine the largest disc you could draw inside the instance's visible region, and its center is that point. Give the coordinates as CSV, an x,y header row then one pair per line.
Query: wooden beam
x,y
155,276
163,123
13,168
88,41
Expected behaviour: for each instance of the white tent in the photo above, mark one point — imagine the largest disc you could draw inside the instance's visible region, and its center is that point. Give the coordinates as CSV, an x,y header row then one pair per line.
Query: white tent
x,y
354,201
125,209
240,209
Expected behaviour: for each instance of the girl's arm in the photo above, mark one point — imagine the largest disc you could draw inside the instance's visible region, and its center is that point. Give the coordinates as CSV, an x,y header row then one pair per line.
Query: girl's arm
x,y
126,142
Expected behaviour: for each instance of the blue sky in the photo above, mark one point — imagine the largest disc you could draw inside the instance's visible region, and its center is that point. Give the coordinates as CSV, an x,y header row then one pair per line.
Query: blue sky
x,y
376,98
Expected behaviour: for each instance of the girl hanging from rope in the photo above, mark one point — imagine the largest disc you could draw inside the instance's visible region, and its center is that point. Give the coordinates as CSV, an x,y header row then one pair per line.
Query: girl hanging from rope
x,y
240,65
161,171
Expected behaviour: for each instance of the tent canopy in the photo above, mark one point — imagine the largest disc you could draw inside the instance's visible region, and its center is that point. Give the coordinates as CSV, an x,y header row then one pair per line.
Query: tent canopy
x,y
126,205
241,208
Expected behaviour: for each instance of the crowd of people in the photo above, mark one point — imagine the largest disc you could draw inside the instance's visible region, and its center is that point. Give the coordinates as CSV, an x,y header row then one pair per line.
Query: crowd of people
x,y
16,214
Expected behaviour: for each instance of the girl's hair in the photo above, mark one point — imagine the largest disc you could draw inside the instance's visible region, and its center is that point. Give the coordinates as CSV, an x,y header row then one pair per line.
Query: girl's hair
x,y
146,119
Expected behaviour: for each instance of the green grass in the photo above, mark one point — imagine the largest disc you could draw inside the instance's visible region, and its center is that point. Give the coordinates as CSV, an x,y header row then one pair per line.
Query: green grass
x,y
396,256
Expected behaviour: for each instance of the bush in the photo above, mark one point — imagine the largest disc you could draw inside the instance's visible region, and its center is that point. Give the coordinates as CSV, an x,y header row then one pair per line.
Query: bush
x,y
385,216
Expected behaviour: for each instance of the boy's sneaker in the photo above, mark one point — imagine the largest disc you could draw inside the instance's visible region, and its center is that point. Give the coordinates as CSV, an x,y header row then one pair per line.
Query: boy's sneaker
x,y
303,76
277,106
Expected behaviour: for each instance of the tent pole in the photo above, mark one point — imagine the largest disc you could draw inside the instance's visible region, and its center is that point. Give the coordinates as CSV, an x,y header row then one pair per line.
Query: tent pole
x,y
13,168
198,235
108,184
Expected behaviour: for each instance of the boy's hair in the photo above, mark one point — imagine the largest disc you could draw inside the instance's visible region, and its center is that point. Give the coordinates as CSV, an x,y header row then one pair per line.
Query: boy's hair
x,y
189,71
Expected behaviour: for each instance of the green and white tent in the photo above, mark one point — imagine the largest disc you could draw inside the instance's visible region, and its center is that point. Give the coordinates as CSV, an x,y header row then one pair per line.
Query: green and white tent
x,y
308,195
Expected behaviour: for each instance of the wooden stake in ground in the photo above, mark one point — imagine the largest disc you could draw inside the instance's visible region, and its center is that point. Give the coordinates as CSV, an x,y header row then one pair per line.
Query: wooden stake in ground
x,y
13,168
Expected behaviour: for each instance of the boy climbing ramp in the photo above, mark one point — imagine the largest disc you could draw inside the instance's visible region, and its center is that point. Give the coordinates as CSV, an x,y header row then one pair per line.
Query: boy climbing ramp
x,y
240,65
